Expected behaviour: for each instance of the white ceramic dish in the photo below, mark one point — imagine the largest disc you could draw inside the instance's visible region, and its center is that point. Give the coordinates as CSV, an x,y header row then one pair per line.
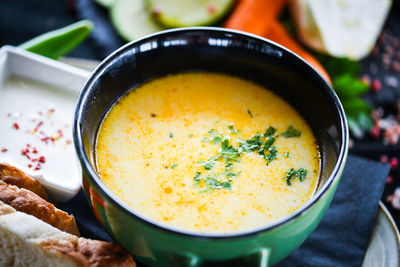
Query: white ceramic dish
x,y
384,245
37,99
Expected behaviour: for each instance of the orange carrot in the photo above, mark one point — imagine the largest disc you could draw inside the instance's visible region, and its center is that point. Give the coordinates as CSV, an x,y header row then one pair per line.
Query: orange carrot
x,y
261,17
278,33
254,16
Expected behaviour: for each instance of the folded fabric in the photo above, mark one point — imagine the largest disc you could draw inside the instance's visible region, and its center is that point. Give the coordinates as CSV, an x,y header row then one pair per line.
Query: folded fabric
x,y
340,239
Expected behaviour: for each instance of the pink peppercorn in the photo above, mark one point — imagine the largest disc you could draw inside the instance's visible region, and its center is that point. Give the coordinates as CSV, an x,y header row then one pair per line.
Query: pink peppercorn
x,y
42,159
376,85
389,179
394,163
384,159
376,131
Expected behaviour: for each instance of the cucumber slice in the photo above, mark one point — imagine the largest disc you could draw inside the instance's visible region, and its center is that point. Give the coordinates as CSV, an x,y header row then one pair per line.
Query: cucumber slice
x,y
183,13
105,3
132,19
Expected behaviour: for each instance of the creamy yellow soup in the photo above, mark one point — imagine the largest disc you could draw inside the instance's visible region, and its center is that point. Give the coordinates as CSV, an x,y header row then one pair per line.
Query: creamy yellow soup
x,y
207,152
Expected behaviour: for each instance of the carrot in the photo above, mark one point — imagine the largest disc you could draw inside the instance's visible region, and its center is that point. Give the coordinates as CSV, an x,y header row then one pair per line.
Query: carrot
x,y
278,33
254,16
261,17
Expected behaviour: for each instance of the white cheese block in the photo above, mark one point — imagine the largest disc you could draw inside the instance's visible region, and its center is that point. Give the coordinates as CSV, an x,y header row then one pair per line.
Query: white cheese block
x,y
341,28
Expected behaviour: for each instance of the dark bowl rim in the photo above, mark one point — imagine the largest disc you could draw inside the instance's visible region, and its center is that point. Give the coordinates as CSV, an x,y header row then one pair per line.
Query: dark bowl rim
x,y
93,176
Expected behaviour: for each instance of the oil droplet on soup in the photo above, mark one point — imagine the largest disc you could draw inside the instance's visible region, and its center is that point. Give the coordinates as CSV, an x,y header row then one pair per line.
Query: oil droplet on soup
x,y
208,153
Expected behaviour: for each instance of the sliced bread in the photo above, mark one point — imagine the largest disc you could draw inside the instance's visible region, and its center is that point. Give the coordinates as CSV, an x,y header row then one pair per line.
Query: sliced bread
x,y
27,241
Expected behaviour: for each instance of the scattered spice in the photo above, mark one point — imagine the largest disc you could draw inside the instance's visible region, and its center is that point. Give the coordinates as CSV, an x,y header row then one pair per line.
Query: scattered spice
x,y
15,126
42,159
153,115
394,163
376,85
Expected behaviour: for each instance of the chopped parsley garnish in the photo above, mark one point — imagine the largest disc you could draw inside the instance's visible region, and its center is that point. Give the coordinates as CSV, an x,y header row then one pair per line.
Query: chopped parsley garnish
x,y
273,154
262,144
209,183
249,112
286,155
232,129
171,135
268,143
291,132
270,131
190,135
253,144
216,140
293,174
174,165
207,164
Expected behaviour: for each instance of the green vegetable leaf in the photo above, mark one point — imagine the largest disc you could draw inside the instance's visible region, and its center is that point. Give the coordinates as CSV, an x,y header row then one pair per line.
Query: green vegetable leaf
x,y
57,43
347,85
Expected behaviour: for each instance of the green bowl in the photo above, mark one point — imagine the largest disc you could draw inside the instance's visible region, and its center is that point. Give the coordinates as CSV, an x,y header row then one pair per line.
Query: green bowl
x,y
224,51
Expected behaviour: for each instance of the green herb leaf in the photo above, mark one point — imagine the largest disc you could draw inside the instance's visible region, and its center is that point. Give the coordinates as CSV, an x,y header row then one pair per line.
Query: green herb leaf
x,y
190,135
286,155
216,140
268,143
174,165
290,175
291,132
207,164
270,131
171,135
232,129
273,154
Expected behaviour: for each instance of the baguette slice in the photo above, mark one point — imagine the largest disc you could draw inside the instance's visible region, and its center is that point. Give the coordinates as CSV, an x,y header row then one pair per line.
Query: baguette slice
x,y
28,241
26,201
15,176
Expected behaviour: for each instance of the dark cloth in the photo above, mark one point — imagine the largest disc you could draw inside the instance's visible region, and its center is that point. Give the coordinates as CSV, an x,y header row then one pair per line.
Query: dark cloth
x,y
340,239
342,236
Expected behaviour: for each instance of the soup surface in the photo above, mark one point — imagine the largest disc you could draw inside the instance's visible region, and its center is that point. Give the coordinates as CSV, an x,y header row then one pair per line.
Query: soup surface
x,y
208,153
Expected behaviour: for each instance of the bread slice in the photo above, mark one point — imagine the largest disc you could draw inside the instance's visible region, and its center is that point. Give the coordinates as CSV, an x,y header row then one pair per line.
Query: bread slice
x,y
15,176
26,201
28,241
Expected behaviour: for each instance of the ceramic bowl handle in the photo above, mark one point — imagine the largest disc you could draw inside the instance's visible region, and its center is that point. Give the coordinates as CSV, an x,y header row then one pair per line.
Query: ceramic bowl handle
x,y
257,258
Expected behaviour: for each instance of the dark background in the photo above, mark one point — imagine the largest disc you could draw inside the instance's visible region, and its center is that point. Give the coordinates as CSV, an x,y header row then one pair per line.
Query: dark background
x,y
21,20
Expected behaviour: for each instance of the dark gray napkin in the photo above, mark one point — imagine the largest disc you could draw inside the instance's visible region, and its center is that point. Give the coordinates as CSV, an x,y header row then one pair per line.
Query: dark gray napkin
x,y
340,239
342,236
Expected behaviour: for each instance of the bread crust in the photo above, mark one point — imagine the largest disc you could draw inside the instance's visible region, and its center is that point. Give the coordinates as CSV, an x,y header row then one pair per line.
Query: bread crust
x,y
14,176
81,251
28,202
96,253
